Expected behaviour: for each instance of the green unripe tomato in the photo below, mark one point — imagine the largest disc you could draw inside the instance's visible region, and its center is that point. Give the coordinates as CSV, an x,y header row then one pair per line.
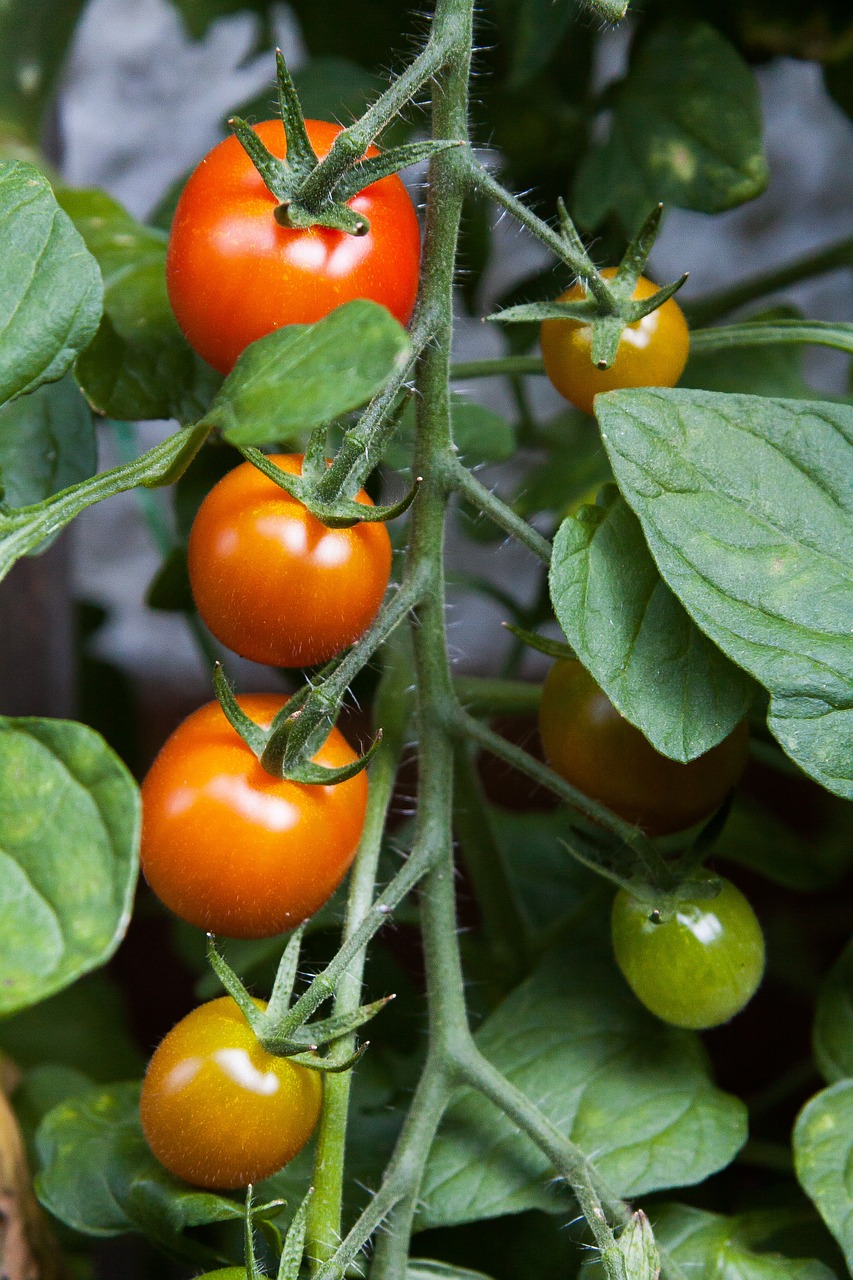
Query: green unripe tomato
x,y
226,1273
695,968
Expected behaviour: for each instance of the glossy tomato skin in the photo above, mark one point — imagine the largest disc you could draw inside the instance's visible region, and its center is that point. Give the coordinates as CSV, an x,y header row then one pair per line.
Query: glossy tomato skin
x,y
234,275
699,965
230,848
273,583
651,353
597,750
218,1110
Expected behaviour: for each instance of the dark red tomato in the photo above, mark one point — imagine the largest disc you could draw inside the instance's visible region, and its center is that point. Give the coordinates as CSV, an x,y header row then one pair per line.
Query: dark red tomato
x,y
233,274
234,850
272,582
651,353
598,751
218,1110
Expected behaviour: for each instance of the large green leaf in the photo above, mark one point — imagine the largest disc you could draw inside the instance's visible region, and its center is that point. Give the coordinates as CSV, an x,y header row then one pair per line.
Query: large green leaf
x,y
99,1177
47,442
51,293
804,845
69,829
747,506
550,882
833,1027
709,1244
635,637
531,31
305,375
685,129
823,1155
628,1090
139,365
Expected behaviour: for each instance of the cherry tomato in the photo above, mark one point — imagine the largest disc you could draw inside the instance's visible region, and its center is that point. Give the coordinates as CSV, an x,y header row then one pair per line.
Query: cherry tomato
x,y
218,1110
696,967
598,751
232,849
233,274
272,582
651,353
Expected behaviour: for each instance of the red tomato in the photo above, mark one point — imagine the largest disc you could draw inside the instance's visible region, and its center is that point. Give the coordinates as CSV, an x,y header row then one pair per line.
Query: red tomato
x,y
651,353
234,850
233,274
218,1110
272,582
598,751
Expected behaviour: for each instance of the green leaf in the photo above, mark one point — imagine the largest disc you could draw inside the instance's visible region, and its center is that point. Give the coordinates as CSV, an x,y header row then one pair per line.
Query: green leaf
x,y
639,1249
747,506
685,130
427,1269
632,1093
823,1156
709,1244
34,37
69,829
633,635
760,371
24,530
480,434
170,589
51,292
550,882
83,1027
574,468
305,375
531,31
139,365
833,1026
47,442
99,1177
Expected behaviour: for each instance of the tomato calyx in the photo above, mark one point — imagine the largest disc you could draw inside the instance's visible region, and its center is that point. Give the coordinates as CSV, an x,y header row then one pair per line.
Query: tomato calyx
x,y
286,748
542,644
279,1026
339,513
608,306
313,192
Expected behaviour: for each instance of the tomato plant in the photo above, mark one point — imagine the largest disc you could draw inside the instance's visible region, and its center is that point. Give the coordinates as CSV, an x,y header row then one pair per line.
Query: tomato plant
x,y
231,848
652,352
697,964
235,274
592,746
272,582
516,1112
218,1110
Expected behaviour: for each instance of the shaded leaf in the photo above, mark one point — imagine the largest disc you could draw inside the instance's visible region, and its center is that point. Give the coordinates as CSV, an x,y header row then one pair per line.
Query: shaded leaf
x,y
69,818
823,1156
34,38
833,1027
51,291
47,442
628,1090
746,504
685,130
634,636
710,1244
531,31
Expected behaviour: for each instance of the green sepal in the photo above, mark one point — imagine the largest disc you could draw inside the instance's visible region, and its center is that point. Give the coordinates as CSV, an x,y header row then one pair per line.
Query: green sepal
x,y
534,312
570,236
344,1024
315,1063
344,513
314,459
232,984
606,336
301,157
361,175
360,513
285,979
644,307
276,173
290,1262
636,255
254,737
542,644
317,775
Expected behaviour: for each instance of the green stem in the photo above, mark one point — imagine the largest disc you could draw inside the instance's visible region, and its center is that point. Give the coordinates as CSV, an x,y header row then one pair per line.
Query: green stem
x,y
507,366
469,487
818,333
324,1217
705,310
482,696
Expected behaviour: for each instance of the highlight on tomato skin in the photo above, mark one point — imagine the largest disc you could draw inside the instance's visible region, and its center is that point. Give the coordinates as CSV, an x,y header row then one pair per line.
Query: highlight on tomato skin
x,y
597,750
652,352
234,274
217,1110
233,850
272,582
696,967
